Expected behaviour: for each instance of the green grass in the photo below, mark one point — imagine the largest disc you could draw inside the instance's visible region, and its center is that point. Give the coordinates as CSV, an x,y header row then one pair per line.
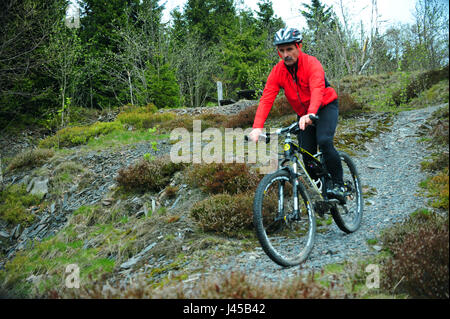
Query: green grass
x,y
78,135
120,138
14,202
49,259
107,235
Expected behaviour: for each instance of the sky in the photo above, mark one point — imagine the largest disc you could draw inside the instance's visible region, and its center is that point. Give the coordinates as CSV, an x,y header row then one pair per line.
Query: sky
x,y
390,11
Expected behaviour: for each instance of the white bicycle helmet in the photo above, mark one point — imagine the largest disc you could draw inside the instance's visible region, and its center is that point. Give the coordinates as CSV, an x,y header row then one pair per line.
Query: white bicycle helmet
x,y
287,35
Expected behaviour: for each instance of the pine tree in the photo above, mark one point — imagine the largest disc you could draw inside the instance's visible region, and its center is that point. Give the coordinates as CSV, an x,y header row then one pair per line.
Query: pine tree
x,y
318,16
209,18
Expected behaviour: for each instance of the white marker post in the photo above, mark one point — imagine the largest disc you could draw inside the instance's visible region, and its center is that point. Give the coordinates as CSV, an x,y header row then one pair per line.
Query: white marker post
x,y
219,92
72,17
1,173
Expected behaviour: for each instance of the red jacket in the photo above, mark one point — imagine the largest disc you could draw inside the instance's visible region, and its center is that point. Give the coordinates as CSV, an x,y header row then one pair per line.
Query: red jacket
x,y
306,96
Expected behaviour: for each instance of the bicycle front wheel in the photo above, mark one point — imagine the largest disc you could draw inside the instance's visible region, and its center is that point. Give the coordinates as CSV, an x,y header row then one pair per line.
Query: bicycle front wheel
x,y
348,217
286,235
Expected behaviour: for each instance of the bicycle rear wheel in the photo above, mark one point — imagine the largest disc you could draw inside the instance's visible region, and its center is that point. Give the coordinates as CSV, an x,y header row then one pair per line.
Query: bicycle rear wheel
x,y
348,217
287,238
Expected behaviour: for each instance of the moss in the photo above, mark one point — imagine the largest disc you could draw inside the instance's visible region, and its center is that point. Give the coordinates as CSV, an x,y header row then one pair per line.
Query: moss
x,y
351,137
14,205
437,188
118,138
78,135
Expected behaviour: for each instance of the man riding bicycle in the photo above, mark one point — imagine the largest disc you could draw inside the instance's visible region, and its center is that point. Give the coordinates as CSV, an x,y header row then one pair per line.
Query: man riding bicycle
x,y
303,79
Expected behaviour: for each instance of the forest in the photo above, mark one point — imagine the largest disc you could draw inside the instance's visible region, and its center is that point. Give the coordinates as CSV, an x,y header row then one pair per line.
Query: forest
x,y
115,53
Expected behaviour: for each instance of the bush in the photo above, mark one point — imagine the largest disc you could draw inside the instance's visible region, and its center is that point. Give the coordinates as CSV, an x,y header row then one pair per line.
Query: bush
x,y
144,120
281,107
243,119
238,285
347,103
30,159
211,120
419,265
234,285
217,178
180,121
148,175
421,83
437,188
224,213
78,135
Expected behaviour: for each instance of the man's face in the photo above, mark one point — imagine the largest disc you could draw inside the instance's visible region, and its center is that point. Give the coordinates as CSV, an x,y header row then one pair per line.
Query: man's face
x,y
289,53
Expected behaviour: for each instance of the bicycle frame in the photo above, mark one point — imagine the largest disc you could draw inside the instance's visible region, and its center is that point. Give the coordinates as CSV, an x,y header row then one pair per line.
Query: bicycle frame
x,y
291,153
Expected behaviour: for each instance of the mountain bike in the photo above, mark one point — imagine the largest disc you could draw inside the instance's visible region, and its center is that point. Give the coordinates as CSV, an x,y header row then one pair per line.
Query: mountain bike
x,y
287,201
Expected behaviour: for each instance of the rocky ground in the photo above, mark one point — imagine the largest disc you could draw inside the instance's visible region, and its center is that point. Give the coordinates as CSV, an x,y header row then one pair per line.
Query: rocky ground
x,y
389,165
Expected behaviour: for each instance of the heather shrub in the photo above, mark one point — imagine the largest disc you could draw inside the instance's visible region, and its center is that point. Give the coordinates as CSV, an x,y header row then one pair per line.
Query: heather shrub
x,y
224,213
440,132
243,119
217,178
148,175
211,120
30,159
233,285
246,117
347,103
237,285
281,107
419,262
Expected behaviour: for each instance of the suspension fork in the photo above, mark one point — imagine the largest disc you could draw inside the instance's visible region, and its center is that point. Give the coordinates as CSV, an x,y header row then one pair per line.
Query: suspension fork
x,y
295,189
281,212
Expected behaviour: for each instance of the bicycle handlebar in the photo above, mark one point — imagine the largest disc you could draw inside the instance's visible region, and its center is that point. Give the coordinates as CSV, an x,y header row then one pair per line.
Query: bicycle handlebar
x,y
291,129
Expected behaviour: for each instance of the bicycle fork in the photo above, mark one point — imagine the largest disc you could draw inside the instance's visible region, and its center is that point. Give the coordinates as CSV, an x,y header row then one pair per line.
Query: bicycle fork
x,y
295,214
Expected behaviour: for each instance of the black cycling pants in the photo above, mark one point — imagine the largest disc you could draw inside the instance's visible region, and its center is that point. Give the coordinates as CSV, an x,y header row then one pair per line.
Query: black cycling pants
x,y
322,135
